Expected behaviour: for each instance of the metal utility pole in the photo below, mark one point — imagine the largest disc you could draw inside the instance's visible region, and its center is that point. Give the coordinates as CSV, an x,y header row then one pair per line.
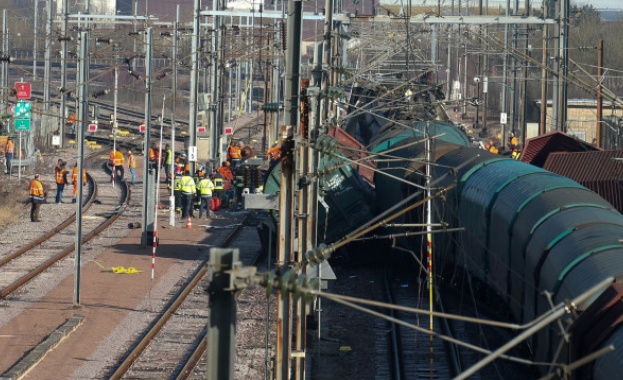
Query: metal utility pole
x,y
47,55
563,68
221,342
543,120
194,75
215,109
286,199
63,88
485,86
479,72
149,174
559,101
80,127
514,99
524,105
304,227
504,72
449,87
327,59
5,63
115,99
34,43
600,69
173,114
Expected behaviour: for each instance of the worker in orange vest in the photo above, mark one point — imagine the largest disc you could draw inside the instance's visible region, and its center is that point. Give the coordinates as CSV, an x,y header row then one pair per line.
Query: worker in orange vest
x,y
234,153
117,160
228,176
8,154
274,153
37,197
74,181
154,158
60,174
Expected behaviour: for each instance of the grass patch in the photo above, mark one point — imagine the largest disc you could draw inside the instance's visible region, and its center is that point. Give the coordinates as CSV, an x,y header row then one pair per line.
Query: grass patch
x,y
13,197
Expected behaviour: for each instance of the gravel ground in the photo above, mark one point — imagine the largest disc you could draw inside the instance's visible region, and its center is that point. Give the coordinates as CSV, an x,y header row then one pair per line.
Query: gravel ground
x,y
108,350
346,349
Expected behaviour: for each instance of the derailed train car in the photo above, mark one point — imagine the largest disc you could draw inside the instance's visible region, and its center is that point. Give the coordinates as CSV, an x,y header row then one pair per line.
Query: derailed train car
x,y
346,198
528,231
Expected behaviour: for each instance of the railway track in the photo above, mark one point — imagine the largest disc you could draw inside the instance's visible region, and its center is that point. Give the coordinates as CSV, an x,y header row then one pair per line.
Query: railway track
x,y
412,354
44,248
172,346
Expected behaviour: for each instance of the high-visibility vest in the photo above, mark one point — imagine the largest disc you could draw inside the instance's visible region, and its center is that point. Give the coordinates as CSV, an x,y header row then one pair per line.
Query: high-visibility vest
x,y
60,176
116,158
8,148
188,185
168,157
36,189
235,152
177,184
119,159
218,182
226,173
227,177
493,149
239,181
205,186
74,176
131,161
152,154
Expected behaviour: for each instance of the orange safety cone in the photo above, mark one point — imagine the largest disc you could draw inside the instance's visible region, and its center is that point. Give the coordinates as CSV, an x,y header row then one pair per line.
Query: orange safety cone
x,y
189,223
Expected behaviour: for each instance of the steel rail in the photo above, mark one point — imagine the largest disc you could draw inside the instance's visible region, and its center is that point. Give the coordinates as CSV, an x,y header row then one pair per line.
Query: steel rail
x,y
55,230
395,345
200,348
174,303
46,264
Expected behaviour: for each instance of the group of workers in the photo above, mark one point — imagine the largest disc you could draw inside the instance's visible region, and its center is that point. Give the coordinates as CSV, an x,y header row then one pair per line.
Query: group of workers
x,y
189,191
38,195
204,190
513,146
60,176
158,160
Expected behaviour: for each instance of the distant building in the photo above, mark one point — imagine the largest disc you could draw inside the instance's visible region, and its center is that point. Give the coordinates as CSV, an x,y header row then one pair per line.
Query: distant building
x,y
162,9
99,7
582,118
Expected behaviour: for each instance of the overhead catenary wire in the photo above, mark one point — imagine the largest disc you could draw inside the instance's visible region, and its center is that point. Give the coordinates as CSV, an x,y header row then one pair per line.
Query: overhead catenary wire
x,y
354,304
